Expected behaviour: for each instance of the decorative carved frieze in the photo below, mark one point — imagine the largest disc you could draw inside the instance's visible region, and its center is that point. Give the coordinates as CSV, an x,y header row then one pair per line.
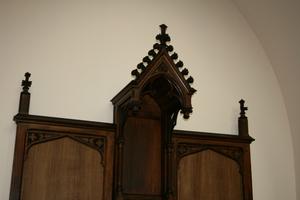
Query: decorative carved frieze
x,y
235,153
40,136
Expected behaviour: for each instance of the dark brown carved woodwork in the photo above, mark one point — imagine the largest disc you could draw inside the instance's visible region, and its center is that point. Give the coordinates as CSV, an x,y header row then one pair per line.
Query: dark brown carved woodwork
x,y
140,156
25,95
225,158
69,170
145,114
142,148
62,159
41,136
209,175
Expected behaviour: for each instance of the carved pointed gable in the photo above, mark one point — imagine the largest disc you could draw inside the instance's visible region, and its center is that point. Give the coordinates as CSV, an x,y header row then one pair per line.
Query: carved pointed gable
x,y
145,114
161,75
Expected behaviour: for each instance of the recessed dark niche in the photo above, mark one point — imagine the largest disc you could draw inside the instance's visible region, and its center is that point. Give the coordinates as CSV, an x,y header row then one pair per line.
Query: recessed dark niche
x,y
137,157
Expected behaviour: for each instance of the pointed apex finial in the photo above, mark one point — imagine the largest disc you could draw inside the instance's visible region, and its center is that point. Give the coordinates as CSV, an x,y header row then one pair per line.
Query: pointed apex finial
x,y
26,83
243,108
25,95
163,37
163,28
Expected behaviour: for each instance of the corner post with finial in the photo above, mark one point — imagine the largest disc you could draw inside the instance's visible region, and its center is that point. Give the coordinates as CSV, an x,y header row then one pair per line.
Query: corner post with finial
x,y
25,95
243,120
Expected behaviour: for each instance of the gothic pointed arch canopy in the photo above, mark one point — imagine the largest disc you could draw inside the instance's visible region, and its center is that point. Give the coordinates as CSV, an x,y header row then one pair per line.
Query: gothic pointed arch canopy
x,y
161,75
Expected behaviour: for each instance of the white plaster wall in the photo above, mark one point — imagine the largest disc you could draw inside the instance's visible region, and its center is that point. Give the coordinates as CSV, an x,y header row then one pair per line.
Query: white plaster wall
x,y
81,53
277,26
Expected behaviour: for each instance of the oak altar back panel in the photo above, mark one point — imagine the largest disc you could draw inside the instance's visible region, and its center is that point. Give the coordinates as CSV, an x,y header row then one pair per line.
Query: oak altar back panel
x,y
55,160
69,170
212,166
142,150
210,176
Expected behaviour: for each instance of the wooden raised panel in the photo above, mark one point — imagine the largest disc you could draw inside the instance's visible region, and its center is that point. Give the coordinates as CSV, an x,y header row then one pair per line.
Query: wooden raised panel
x,y
142,150
142,166
209,175
212,166
58,159
70,170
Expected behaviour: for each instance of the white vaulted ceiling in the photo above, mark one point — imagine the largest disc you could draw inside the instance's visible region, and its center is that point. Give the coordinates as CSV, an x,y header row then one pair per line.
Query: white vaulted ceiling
x,y
277,26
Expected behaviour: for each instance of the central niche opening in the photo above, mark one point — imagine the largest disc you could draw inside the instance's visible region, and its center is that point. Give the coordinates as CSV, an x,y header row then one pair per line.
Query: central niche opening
x,y
146,138
145,113
142,150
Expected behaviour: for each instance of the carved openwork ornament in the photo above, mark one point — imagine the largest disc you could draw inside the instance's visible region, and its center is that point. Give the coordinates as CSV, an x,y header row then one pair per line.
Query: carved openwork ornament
x,y
26,83
39,136
160,73
234,153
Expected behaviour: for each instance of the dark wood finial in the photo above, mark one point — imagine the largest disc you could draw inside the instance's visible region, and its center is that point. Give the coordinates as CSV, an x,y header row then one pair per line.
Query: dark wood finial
x,y
243,120
163,37
243,108
25,95
163,28
26,83
186,112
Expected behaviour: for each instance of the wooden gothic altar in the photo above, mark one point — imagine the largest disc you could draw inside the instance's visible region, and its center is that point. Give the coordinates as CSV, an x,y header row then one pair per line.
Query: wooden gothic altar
x,y
137,157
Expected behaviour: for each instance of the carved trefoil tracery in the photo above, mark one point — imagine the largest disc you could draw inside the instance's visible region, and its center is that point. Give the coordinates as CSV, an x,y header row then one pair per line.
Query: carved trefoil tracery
x,y
40,136
234,153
